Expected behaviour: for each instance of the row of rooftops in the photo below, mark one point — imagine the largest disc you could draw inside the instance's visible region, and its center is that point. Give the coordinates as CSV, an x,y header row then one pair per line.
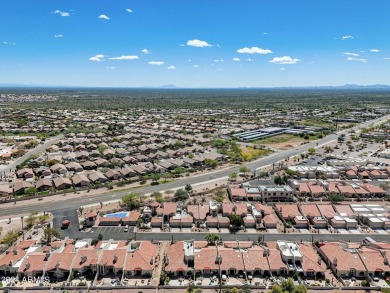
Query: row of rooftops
x,y
67,255
347,257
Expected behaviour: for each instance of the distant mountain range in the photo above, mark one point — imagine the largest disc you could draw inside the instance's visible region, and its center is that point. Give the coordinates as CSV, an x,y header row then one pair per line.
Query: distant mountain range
x,y
358,86
172,86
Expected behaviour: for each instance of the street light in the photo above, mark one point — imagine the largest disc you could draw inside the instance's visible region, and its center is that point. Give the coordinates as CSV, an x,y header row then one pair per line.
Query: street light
x,y
22,226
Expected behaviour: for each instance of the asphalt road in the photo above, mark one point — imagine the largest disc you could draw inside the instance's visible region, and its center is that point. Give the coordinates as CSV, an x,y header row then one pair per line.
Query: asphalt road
x,y
269,160
39,149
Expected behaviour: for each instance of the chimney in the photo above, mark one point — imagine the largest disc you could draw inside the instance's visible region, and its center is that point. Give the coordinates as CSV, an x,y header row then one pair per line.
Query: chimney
x,y
15,252
151,260
335,261
28,265
58,264
319,260
115,258
166,260
83,259
386,261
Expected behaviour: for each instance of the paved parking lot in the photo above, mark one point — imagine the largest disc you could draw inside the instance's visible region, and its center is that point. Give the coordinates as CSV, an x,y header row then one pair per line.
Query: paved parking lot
x,y
110,230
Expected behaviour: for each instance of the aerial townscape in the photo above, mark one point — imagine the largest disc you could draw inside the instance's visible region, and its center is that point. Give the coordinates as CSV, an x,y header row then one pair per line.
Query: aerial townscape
x,y
191,147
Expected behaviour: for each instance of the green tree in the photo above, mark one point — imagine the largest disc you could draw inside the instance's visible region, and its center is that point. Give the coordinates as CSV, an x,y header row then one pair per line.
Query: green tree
x,y
156,194
276,289
210,162
211,238
290,173
311,151
43,219
236,220
51,162
181,194
245,170
132,200
102,148
193,289
160,199
166,176
278,180
155,177
188,188
219,195
178,171
334,197
9,238
31,220
233,175
288,286
50,233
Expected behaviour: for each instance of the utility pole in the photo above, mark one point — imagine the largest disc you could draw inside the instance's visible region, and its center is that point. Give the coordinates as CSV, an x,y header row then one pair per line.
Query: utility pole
x,y
21,218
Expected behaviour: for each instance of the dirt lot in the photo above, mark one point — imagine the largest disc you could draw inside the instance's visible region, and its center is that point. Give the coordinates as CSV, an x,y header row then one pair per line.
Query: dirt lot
x,y
282,141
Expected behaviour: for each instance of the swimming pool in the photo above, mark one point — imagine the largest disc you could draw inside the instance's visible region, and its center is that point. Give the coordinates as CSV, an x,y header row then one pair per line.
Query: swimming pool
x,y
117,215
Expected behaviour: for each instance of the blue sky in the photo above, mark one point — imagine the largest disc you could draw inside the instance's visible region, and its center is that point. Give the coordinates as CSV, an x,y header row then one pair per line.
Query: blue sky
x,y
194,43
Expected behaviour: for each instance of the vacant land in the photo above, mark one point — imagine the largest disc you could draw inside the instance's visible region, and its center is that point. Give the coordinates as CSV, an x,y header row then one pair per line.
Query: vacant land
x,y
250,153
281,141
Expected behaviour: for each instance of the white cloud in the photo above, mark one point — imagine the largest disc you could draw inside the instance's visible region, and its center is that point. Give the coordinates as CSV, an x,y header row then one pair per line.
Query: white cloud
x,y
249,60
9,44
158,63
350,54
218,60
111,67
129,10
171,67
145,51
98,58
62,13
182,45
58,36
265,33
236,59
375,50
218,45
103,16
356,59
198,43
124,57
254,50
282,69
387,58
284,60
196,66
346,37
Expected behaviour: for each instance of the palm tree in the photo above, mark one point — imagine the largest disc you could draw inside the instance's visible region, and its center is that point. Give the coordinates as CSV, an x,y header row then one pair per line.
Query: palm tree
x,y
211,238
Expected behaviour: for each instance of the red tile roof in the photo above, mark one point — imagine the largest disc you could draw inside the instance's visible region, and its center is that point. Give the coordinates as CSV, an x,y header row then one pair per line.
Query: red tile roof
x,y
345,259
175,254
62,260
141,259
206,258
254,259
